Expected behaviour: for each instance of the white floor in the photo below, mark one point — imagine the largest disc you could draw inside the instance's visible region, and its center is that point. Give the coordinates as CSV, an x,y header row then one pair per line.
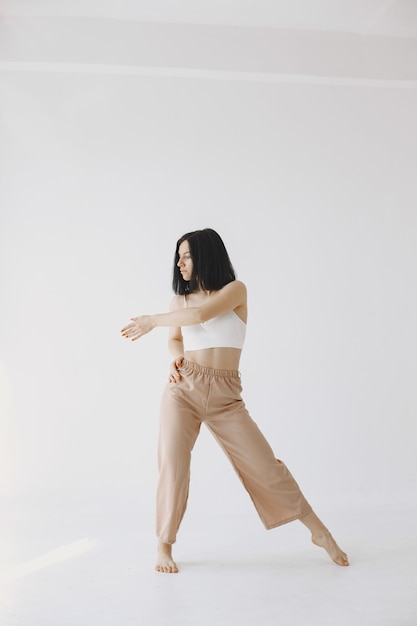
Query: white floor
x,y
90,567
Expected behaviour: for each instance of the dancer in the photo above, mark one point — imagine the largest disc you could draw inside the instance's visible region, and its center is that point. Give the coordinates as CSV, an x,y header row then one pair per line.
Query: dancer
x,y
207,326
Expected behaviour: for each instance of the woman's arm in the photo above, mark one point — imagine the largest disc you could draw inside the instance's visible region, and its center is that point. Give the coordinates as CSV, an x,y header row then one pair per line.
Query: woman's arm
x,y
175,340
175,344
227,299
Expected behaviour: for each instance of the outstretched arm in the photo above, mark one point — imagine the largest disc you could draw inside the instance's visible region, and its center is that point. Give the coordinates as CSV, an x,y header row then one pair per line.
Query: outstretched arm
x,y
227,299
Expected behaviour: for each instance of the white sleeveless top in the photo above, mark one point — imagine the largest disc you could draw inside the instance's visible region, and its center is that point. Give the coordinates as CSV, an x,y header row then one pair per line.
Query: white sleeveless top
x,y
224,331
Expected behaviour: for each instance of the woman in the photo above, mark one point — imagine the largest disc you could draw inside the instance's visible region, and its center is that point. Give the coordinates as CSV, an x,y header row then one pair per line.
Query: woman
x,y
207,324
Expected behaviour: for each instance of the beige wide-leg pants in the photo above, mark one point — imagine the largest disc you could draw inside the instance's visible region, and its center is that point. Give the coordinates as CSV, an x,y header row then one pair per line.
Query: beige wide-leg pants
x,y
214,397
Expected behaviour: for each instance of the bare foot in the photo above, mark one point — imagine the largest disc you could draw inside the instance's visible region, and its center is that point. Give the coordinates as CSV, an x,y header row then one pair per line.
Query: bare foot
x,y
326,541
320,536
164,561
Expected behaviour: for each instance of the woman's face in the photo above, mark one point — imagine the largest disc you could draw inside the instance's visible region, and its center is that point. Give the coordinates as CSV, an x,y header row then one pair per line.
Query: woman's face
x,y
185,263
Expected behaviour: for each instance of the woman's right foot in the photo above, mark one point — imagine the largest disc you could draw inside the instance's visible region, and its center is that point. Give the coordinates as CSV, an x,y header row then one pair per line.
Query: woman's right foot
x,y
326,541
164,562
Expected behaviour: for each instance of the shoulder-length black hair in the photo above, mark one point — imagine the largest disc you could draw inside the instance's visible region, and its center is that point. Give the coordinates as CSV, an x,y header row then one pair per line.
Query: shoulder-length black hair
x,y
212,268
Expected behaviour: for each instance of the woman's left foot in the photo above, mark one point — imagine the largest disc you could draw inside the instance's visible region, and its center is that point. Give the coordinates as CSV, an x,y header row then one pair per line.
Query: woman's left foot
x,y
165,562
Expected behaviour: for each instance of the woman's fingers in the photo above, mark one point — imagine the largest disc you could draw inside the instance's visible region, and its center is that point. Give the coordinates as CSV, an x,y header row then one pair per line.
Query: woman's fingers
x,y
174,374
131,332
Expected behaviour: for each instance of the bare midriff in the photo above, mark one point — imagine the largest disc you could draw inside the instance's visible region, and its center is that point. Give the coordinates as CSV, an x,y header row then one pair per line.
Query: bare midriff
x,y
217,358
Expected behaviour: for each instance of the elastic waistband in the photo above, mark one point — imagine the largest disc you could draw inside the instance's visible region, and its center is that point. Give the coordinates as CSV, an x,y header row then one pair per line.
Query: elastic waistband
x,y
189,366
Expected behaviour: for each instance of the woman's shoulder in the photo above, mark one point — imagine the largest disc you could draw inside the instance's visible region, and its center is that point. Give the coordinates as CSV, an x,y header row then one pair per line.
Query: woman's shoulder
x,y
236,285
235,293
177,302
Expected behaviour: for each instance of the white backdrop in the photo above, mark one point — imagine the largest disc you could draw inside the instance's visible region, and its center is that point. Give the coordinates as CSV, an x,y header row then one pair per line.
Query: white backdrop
x,y
312,188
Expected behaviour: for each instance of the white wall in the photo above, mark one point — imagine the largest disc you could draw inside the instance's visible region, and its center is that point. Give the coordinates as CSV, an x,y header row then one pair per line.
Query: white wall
x,y
312,188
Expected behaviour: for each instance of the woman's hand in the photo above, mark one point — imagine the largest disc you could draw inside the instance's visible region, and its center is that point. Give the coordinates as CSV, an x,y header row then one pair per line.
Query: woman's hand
x,y
174,375
140,326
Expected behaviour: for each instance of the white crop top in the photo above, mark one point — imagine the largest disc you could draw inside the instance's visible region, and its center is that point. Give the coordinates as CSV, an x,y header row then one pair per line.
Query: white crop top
x,y
224,331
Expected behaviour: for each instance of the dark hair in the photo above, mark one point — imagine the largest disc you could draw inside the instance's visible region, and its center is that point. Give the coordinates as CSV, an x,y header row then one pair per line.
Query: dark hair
x,y
212,268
